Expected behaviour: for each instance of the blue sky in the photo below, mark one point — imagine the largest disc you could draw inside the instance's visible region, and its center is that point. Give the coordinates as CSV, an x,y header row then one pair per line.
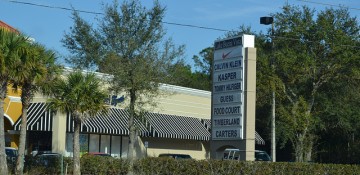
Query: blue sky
x,y
47,25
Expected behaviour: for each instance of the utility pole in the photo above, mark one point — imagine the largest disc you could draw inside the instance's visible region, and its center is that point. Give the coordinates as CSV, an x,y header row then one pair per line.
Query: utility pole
x,y
267,21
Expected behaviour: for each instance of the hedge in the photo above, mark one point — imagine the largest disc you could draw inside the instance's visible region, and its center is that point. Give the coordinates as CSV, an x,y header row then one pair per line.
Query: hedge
x,y
165,166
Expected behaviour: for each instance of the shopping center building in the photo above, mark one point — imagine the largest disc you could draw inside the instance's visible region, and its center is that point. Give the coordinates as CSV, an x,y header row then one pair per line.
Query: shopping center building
x,y
180,123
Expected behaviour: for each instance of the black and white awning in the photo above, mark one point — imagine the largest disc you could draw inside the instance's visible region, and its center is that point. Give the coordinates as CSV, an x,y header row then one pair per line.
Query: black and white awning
x,y
258,139
178,127
39,118
114,122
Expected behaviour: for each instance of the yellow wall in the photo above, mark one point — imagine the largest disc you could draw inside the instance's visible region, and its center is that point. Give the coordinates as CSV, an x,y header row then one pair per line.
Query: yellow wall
x,y
12,109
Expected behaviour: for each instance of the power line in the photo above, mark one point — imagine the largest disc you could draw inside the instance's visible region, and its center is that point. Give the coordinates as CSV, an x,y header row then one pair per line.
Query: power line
x,y
326,4
194,26
99,13
164,22
178,24
56,7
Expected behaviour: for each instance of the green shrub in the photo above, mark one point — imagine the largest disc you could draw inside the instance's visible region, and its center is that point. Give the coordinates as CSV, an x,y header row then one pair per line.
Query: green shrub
x,y
169,166
103,165
209,167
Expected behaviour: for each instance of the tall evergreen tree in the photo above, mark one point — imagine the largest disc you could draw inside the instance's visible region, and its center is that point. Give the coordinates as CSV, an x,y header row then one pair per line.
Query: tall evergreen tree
x,y
204,63
129,43
311,51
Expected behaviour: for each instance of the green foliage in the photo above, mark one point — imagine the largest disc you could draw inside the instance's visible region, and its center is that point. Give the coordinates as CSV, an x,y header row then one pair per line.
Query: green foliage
x,y
129,44
35,71
340,123
80,96
311,52
108,165
36,165
78,93
316,69
34,68
103,165
81,43
11,48
204,63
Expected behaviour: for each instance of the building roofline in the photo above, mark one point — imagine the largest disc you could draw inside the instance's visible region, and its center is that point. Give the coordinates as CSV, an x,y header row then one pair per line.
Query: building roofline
x,y
169,87
8,27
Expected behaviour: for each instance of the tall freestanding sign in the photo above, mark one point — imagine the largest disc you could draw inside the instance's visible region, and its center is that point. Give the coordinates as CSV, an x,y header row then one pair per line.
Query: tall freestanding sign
x,y
229,98
228,87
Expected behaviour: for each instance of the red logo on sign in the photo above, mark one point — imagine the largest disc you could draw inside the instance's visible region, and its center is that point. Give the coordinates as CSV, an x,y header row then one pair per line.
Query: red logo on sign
x,y
225,55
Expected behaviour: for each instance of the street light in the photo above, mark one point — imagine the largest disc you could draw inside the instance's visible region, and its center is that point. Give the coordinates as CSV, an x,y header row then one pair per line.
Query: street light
x,y
266,21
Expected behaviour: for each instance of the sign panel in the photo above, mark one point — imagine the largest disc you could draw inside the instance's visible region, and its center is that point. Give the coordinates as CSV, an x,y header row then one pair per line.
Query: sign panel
x,y
227,121
228,53
228,88
226,110
228,133
230,75
227,64
223,98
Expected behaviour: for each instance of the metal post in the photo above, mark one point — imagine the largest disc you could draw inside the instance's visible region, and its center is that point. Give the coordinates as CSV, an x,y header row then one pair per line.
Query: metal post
x,y
267,21
273,133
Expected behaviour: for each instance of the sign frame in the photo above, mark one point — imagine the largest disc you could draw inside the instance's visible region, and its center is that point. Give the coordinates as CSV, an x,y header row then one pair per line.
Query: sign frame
x,y
227,99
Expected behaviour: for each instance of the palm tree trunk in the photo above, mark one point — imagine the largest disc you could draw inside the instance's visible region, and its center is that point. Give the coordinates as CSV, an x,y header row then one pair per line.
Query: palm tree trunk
x,y
20,159
3,163
26,97
76,146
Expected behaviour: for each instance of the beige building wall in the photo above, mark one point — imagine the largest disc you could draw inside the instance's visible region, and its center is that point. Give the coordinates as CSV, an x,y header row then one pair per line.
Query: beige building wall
x,y
185,102
59,133
179,101
196,149
175,100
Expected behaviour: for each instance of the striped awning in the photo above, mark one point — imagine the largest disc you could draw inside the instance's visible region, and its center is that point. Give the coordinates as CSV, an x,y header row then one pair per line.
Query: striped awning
x,y
207,123
178,127
258,139
38,118
115,122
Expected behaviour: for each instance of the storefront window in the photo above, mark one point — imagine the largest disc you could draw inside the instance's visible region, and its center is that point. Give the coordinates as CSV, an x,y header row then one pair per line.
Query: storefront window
x,y
105,144
94,143
84,143
115,146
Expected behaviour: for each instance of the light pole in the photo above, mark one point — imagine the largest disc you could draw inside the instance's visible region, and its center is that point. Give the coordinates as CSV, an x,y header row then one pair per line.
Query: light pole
x,y
266,21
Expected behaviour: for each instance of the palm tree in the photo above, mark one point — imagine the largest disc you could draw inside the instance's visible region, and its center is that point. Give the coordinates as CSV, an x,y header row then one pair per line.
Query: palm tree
x,y
11,45
80,96
33,71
